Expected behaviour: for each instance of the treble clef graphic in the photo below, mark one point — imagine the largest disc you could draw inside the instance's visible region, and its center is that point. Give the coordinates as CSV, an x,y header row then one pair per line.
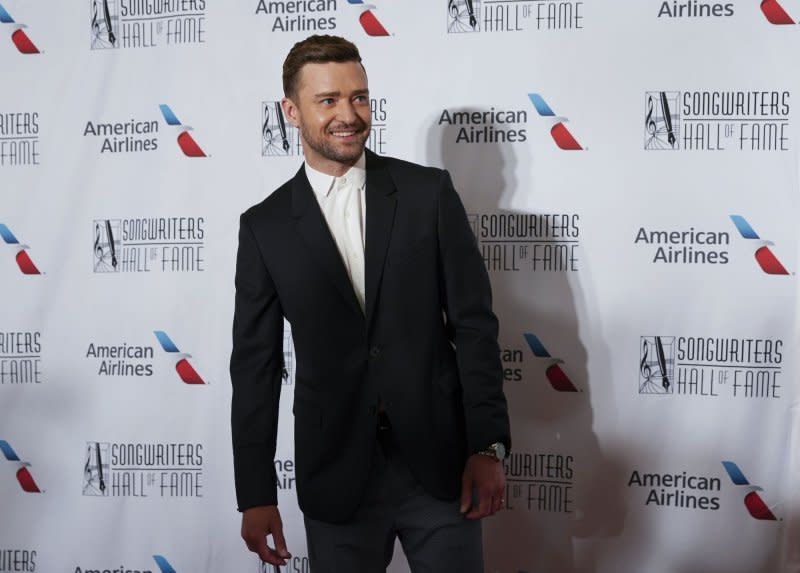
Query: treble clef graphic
x,y
472,20
452,8
667,119
282,126
662,364
644,367
651,124
87,469
113,249
111,37
98,247
95,23
266,132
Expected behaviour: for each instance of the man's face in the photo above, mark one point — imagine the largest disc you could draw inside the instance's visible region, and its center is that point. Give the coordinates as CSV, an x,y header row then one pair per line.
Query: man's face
x,y
332,112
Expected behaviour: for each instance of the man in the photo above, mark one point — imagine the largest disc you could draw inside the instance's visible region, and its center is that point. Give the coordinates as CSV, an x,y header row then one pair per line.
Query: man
x,y
400,418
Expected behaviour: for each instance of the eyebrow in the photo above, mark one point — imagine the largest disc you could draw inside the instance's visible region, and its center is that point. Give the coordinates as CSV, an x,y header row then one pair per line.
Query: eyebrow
x,y
338,93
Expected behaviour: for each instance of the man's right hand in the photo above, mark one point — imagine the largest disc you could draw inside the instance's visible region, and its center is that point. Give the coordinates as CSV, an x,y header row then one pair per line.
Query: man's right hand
x,y
257,523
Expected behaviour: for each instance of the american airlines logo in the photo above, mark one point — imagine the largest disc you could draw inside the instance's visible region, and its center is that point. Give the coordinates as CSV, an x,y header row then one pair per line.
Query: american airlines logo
x,y
755,505
368,20
555,374
764,256
182,366
24,477
18,36
559,132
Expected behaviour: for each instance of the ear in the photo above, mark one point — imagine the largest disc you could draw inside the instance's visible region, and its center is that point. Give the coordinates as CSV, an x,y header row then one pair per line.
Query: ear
x,y
291,111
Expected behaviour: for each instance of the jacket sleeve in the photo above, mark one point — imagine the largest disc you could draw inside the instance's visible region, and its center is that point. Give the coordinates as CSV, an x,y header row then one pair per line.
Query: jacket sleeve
x,y
256,367
471,324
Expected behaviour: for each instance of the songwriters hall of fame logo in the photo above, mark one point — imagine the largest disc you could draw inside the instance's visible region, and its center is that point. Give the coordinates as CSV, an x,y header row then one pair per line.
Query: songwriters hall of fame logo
x,y
278,137
464,16
662,121
145,23
153,244
139,470
718,120
657,365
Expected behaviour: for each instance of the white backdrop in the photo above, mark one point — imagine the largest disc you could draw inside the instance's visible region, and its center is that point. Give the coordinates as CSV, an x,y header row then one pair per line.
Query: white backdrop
x,y
648,336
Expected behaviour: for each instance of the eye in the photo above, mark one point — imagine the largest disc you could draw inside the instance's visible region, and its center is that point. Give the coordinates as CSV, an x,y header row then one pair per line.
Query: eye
x,y
326,101
362,99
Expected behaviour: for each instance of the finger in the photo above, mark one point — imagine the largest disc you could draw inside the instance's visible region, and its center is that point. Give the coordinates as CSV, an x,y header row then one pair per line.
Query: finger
x,y
497,504
483,506
500,495
264,552
280,543
486,503
466,492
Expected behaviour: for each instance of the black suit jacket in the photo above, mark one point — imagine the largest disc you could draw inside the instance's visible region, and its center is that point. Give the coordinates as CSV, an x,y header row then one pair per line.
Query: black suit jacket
x,y
426,348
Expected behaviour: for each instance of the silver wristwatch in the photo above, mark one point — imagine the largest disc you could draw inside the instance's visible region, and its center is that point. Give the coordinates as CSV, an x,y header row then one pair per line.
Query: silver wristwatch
x,y
496,450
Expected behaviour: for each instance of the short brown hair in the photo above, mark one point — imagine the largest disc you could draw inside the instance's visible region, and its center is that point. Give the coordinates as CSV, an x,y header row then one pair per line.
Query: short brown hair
x,y
317,49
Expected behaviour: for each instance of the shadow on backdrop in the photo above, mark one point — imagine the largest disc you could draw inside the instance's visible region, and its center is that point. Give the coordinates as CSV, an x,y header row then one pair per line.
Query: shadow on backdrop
x,y
561,486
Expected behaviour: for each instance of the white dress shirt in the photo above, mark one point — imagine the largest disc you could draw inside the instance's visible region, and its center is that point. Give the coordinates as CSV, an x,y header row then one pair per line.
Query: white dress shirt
x,y
343,204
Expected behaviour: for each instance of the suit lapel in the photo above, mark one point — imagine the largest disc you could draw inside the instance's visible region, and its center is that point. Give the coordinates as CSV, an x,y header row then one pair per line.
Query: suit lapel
x,y
381,204
312,227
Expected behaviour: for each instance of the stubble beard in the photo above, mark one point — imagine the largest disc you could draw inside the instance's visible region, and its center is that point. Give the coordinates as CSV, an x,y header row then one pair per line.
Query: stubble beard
x,y
347,154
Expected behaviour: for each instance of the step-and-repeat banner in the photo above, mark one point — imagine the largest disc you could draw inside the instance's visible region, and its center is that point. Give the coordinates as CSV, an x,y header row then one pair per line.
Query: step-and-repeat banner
x,y
630,170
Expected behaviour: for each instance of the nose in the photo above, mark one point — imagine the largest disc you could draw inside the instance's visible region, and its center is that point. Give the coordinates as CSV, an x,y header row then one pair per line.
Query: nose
x,y
347,112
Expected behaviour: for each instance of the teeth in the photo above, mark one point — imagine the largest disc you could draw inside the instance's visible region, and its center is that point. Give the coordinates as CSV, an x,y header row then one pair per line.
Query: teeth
x,y
343,133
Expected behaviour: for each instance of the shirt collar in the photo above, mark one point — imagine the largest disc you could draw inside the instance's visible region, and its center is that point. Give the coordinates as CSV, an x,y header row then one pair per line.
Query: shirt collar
x,y
322,183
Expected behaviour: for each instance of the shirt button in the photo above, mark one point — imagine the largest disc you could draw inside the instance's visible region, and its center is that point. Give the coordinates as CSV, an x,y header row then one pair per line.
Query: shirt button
x,y
374,351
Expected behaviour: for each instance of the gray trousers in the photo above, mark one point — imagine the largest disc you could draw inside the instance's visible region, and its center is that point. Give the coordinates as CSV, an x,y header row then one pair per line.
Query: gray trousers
x,y
435,537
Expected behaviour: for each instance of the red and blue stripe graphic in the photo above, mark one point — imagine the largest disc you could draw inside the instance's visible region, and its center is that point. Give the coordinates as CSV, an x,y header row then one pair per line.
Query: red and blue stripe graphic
x,y
368,20
775,13
18,36
561,135
185,370
186,142
163,564
24,262
24,476
752,501
766,259
555,375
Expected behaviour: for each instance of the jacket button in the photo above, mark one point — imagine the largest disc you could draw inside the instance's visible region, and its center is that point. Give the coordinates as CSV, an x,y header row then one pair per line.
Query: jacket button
x,y
374,351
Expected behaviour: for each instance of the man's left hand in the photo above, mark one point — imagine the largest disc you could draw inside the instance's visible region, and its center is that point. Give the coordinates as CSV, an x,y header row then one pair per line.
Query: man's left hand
x,y
486,476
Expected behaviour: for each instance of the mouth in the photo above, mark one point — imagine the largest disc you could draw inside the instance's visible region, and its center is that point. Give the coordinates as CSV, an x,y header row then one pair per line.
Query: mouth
x,y
347,135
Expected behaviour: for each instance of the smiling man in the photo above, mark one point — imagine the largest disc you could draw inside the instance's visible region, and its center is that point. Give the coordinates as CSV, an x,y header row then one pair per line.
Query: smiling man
x,y
399,414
